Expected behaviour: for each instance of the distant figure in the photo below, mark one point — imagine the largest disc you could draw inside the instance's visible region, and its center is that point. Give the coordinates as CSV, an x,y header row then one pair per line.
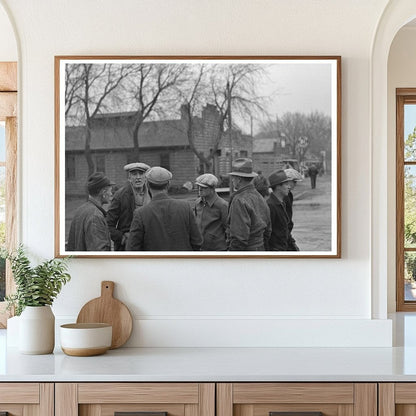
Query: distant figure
x,y
281,238
89,231
249,224
261,184
211,214
164,224
313,173
132,195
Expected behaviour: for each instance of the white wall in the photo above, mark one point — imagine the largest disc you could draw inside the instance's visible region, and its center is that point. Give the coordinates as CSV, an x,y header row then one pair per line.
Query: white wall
x,y
401,74
212,301
8,46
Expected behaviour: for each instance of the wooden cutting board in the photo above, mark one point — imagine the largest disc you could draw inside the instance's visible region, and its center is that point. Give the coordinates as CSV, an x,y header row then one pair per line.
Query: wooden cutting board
x,y
108,310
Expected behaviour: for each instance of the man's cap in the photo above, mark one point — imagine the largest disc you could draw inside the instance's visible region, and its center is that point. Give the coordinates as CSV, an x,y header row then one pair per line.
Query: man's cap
x,y
97,181
207,180
293,174
142,167
278,177
158,175
243,167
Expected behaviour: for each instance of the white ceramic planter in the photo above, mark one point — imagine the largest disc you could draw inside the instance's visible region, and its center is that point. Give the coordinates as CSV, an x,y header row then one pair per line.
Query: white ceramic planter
x,y
37,330
12,333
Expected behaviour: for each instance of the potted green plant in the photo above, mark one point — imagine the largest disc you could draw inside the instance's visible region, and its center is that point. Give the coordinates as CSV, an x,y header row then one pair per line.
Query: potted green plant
x,y
36,289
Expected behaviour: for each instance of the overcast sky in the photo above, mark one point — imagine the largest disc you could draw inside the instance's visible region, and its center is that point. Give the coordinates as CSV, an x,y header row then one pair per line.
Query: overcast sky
x,y
301,87
409,119
297,86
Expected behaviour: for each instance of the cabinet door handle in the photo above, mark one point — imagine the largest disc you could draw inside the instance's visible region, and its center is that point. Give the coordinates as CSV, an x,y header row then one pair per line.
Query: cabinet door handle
x,y
295,413
139,414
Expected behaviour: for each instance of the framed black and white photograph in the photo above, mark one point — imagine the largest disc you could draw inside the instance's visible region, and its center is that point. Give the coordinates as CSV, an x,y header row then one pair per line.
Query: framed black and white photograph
x,y
198,156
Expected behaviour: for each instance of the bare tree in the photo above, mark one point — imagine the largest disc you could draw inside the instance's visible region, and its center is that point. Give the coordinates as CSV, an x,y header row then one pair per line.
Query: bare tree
x,y
194,97
149,89
90,86
302,133
230,88
73,84
293,126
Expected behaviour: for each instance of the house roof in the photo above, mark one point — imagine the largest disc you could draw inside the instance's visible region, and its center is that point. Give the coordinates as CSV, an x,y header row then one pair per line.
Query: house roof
x,y
111,135
264,145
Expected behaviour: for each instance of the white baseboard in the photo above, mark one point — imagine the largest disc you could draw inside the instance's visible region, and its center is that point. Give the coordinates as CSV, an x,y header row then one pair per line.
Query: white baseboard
x,y
261,333
255,332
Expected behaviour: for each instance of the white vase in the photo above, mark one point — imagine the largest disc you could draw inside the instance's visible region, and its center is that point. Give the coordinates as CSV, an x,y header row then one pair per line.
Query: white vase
x,y
37,330
12,334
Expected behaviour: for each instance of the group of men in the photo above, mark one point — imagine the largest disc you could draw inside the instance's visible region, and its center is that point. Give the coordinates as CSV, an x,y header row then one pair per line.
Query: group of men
x,y
142,216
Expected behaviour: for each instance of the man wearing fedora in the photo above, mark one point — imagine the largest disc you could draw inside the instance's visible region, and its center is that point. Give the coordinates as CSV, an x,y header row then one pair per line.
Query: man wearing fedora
x,y
132,195
249,224
164,224
211,214
89,231
281,238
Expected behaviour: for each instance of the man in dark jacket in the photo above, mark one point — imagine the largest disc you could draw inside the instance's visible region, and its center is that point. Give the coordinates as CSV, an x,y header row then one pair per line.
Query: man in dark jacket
x,y
261,184
313,173
249,223
294,177
165,224
211,214
132,195
281,238
89,231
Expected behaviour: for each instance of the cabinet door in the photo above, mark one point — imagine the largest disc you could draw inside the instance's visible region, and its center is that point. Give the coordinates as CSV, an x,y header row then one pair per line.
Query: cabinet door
x,y
297,399
142,399
26,399
397,399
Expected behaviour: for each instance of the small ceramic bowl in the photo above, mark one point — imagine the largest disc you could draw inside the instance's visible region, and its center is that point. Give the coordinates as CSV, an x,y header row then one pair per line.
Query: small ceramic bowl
x,y
83,340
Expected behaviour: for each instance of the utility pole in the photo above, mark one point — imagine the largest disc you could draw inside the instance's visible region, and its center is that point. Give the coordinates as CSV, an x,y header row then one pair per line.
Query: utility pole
x,y
229,122
230,135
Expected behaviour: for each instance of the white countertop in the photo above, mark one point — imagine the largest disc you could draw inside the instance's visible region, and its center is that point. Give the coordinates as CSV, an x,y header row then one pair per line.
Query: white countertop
x,y
215,364
221,364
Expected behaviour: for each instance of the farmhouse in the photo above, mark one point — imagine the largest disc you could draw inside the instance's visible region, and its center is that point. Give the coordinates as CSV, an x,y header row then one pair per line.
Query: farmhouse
x,y
161,143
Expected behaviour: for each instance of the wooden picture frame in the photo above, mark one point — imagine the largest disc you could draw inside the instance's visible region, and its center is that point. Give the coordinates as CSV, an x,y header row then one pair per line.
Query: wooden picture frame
x,y
198,114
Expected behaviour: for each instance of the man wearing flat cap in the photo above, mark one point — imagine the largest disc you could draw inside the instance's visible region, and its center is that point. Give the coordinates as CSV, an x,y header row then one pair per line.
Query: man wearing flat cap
x,y
249,225
89,231
164,224
281,238
294,177
132,195
211,214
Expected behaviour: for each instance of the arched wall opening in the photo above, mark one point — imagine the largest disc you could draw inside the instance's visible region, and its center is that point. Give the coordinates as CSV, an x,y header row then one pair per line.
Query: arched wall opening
x,y
396,15
8,45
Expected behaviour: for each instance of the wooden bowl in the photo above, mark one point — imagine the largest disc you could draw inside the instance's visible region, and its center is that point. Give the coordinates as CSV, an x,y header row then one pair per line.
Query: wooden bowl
x,y
84,340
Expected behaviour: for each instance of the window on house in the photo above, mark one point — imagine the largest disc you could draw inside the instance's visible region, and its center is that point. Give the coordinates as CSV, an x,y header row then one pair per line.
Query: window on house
x,y
406,199
243,153
100,163
165,161
70,167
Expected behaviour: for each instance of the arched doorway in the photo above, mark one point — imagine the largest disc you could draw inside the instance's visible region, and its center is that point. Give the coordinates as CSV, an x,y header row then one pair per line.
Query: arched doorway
x,y
396,15
8,150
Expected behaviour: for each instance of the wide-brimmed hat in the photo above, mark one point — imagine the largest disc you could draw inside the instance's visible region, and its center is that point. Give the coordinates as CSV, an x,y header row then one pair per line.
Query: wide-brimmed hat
x,y
243,167
97,181
158,175
293,174
278,177
142,167
207,180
